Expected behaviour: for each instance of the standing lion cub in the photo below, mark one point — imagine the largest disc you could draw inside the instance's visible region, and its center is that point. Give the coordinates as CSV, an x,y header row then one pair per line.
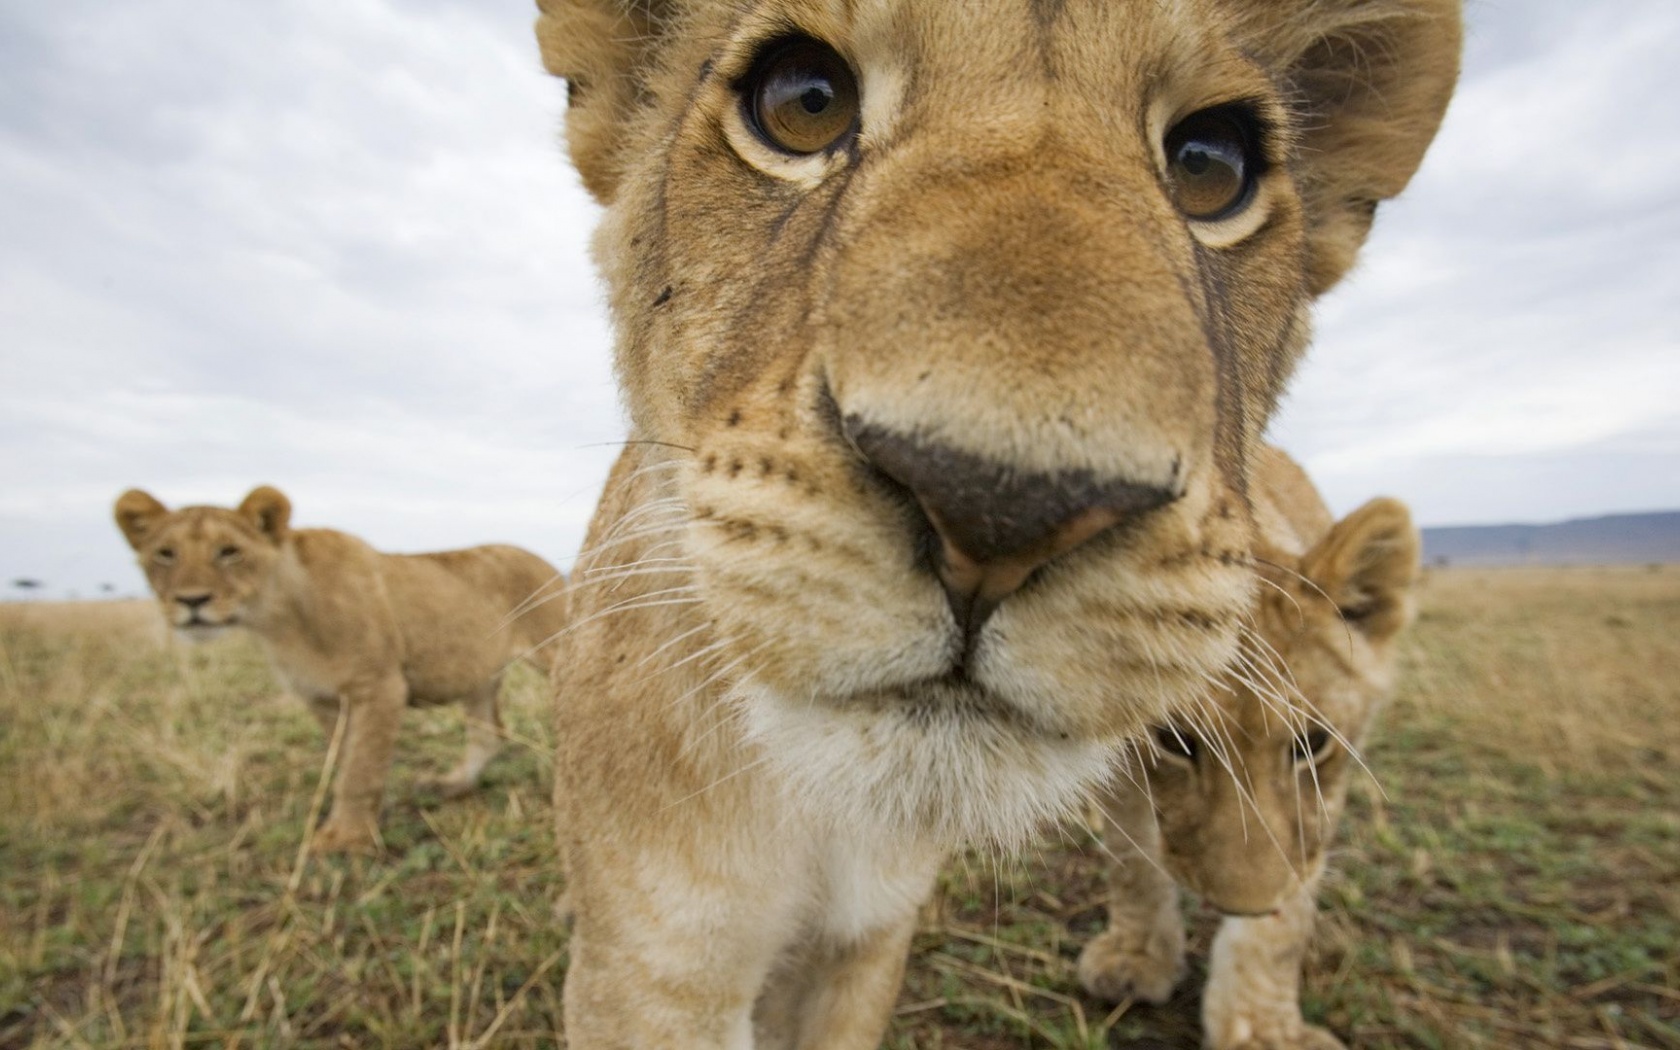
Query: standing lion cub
x,y
349,628
947,333
1238,802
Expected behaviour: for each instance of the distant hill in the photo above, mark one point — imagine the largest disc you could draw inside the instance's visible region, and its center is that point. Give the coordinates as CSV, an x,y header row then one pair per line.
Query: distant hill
x,y
1617,538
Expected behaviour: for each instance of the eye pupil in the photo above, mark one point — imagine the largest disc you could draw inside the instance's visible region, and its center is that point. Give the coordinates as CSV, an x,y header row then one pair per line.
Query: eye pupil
x,y
1311,746
1177,742
1212,163
801,97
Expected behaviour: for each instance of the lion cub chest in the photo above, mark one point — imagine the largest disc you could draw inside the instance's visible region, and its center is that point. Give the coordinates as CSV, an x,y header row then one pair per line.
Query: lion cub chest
x,y
868,884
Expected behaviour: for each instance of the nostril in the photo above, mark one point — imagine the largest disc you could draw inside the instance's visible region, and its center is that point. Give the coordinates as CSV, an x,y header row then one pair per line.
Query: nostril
x,y
193,601
994,523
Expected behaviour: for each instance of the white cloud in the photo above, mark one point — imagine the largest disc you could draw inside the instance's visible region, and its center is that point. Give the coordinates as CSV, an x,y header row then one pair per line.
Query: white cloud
x,y
1517,307
334,246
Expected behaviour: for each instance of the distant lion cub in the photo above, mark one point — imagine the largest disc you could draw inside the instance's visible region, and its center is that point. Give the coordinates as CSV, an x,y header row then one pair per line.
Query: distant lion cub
x,y
346,625
1239,803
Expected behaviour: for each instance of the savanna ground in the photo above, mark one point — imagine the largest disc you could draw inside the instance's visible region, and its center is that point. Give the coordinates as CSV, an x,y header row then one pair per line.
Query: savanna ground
x,y
1514,883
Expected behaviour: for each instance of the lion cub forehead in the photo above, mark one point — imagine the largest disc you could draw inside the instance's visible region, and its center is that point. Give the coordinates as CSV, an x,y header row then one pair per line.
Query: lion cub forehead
x,y
204,524
1151,37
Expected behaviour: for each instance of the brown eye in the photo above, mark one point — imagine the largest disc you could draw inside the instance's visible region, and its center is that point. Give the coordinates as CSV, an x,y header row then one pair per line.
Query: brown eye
x,y
228,553
164,556
1313,746
1177,743
802,97
1211,163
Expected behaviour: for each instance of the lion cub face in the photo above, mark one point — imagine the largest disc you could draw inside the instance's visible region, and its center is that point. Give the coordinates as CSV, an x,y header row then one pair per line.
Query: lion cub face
x,y
961,321
205,564
1248,798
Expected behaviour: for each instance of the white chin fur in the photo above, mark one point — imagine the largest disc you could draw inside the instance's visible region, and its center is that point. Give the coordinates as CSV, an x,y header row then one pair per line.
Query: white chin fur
x,y
930,770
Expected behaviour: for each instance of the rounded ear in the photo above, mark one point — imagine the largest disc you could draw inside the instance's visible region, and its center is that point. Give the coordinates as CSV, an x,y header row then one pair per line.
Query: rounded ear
x,y
1369,81
1368,565
270,510
137,513
604,51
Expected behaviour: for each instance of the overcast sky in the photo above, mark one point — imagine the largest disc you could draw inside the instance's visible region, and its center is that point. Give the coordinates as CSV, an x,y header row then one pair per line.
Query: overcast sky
x,y
333,245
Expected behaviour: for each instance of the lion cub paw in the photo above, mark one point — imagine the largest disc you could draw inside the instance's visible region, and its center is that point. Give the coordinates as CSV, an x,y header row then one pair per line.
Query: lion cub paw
x,y
345,836
450,787
1292,1037
1118,965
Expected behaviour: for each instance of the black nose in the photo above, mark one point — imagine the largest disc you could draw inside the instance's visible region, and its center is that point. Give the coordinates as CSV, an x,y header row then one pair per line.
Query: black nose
x,y
193,601
997,523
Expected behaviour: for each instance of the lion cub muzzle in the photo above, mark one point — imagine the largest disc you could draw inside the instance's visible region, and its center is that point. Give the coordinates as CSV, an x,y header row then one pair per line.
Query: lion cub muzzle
x,y
993,525
1028,403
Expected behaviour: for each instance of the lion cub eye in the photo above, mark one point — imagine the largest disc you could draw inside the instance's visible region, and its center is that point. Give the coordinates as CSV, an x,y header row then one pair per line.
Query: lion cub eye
x,y
164,556
1312,746
1212,163
229,554
801,97
1177,743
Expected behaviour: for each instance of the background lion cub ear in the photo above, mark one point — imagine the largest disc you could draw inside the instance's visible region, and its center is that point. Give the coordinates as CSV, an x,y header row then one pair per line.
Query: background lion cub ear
x,y
1368,565
136,512
603,49
1370,81
270,510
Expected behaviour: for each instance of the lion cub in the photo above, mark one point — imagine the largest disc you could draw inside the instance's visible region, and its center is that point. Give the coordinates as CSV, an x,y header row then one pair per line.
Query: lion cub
x,y
946,334
1239,803
349,628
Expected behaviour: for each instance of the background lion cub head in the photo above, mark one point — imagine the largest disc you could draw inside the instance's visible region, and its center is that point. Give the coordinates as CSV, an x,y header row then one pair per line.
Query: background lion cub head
x,y
205,564
1248,796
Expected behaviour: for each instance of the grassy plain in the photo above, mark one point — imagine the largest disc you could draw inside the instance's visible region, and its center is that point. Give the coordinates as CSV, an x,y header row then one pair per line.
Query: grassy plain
x,y
1514,882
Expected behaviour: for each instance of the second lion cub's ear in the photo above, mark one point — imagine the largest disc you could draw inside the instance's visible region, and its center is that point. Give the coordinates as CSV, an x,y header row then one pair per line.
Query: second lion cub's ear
x,y
270,510
1369,80
604,50
1368,566
136,513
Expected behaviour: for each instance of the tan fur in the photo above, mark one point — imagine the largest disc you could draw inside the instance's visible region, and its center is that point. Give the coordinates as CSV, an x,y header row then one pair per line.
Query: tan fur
x,y
1246,823
351,630
775,724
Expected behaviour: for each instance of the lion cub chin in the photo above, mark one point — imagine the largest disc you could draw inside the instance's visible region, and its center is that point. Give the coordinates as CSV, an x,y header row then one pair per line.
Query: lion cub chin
x,y
356,633
1239,803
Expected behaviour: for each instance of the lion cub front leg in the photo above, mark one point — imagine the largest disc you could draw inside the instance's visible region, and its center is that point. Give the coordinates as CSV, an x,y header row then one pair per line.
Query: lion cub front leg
x,y
374,711
1141,954
662,973
1253,996
838,998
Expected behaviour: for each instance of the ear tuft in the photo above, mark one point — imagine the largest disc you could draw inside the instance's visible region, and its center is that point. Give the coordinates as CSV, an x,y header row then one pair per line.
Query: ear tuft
x,y
1368,566
137,513
270,510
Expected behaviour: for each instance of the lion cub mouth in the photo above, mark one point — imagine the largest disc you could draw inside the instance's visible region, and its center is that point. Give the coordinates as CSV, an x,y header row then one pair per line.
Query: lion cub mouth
x,y
945,761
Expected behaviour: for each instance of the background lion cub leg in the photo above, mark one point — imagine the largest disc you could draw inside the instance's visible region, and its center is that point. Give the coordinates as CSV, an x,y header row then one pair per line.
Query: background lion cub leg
x,y
375,710
1253,996
1141,954
484,741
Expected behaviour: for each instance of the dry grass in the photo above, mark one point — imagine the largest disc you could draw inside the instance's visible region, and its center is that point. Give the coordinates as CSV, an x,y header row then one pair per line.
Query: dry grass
x,y
1516,883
